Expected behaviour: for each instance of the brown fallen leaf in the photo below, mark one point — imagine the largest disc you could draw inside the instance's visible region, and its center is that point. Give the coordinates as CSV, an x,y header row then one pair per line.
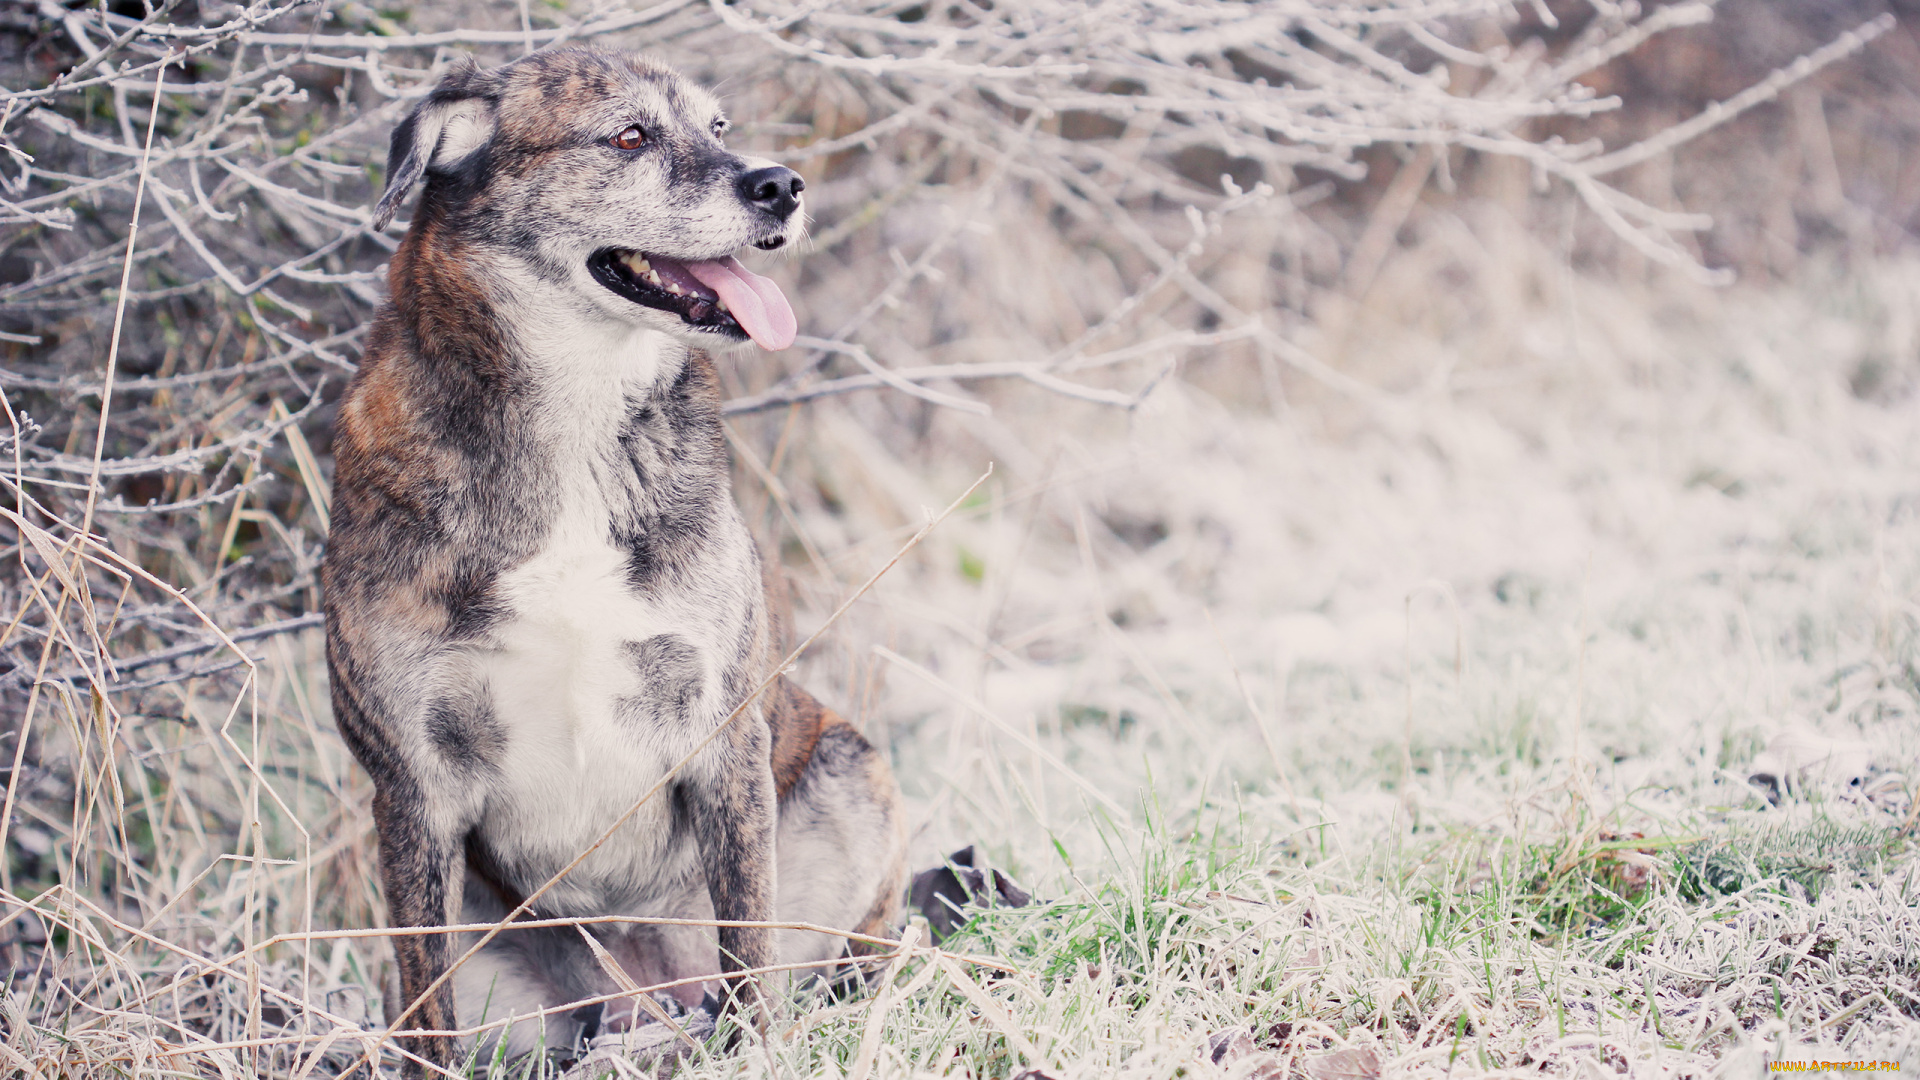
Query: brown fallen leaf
x,y
1264,1067
1226,1047
1357,1064
945,894
1233,1050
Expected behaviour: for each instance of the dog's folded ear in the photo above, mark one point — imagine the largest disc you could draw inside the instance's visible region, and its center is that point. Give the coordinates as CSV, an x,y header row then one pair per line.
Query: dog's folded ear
x,y
454,120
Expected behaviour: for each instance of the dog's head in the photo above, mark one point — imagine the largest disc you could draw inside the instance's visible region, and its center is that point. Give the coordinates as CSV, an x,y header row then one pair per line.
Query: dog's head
x,y
607,174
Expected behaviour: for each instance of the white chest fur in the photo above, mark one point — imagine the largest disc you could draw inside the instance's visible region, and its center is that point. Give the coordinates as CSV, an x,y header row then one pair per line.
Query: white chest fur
x,y
582,741
598,684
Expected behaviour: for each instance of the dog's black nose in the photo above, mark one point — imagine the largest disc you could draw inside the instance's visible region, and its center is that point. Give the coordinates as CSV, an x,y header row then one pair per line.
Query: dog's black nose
x,y
775,189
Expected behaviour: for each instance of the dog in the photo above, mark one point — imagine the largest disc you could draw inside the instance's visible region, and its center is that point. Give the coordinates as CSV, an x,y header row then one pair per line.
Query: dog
x,y
540,594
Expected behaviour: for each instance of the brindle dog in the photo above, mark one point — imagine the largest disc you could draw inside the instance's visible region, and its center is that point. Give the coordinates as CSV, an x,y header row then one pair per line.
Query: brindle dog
x,y
540,594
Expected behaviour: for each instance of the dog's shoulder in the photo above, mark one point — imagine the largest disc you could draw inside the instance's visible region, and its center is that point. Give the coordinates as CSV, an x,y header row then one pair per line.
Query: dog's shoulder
x,y
436,472
438,398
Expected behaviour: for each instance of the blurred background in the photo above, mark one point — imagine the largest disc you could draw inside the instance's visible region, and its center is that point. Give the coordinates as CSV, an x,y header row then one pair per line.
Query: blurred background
x,y
1418,431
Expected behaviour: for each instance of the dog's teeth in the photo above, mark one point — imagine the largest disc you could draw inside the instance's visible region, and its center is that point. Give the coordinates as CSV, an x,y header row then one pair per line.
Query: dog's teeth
x,y
653,276
643,266
721,304
675,289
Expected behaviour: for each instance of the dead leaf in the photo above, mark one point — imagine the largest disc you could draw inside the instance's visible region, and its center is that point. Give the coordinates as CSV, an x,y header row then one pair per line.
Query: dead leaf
x,y
1233,1050
1357,1064
944,893
1262,1067
1226,1047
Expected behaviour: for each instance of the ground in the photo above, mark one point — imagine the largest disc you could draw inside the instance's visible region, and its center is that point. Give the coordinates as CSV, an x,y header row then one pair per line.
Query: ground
x,y
1543,716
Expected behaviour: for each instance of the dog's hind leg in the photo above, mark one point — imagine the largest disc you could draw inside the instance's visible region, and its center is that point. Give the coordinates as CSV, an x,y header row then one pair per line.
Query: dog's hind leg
x,y
842,839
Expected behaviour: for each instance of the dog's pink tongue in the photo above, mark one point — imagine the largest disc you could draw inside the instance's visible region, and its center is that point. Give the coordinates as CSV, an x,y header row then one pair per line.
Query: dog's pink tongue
x,y
757,303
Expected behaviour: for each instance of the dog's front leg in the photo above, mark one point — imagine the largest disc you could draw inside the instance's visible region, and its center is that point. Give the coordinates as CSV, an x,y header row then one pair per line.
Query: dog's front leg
x,y
419,860
735,817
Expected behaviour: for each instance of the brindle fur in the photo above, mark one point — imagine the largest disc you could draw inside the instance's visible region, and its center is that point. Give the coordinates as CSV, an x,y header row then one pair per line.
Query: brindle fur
x,y
505,400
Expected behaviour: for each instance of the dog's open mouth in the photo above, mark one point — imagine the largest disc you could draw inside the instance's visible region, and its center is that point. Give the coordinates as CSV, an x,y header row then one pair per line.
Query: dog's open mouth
x,y
716,294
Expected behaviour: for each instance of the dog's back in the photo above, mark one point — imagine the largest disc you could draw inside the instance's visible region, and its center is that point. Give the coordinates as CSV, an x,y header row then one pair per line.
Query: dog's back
x,y
540,594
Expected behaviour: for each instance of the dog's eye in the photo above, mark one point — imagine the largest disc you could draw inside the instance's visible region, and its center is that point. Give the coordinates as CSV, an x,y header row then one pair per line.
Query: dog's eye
x,y
630,138
720,128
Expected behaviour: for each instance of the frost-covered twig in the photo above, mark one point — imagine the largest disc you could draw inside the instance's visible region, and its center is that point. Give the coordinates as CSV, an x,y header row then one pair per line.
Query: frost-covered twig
x,y
1720,112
